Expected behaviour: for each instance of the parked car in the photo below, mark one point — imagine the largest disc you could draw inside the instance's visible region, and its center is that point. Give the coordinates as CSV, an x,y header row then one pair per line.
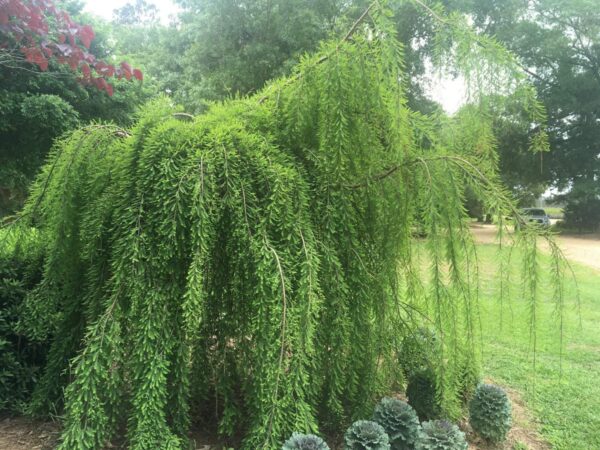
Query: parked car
x,y
532,216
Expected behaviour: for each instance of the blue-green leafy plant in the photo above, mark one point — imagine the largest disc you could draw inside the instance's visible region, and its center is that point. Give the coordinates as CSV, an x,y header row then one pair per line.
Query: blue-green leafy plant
x,y
422,394
490,413
300,441
400,422
366,435
441,435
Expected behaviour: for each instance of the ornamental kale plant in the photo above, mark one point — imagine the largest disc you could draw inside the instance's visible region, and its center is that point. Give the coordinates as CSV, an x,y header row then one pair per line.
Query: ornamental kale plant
x,y
300,441
490,413
400,422
366,435
441,435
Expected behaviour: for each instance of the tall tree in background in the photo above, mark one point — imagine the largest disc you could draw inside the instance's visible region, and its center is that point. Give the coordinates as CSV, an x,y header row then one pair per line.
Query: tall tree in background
x,y
558,42
234,47
139,12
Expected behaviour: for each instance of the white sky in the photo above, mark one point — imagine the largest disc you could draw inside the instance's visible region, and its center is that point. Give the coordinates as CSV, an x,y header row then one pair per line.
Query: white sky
x,y
450,93
105,8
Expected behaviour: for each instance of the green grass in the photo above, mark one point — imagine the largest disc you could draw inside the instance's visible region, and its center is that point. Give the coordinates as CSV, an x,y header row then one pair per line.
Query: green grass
x,y
554,212
566,405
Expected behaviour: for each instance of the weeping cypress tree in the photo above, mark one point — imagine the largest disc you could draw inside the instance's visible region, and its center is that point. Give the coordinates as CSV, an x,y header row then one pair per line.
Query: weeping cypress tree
x,y
257,263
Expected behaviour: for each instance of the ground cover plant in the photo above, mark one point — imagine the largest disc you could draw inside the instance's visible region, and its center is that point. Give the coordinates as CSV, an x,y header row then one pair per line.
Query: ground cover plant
x,y
255,264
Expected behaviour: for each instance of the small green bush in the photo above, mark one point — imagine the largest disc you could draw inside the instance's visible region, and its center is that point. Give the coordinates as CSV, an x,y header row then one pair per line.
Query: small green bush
x,y
300,441
422,394
490,412
441,435
418,350
400,422
366,435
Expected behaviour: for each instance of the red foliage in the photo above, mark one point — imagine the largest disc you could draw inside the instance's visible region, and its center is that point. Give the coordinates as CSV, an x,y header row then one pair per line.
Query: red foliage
x,y
25,24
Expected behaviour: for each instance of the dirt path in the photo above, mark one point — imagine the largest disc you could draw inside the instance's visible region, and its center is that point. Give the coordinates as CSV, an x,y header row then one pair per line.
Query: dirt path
x,y
584,249
20,433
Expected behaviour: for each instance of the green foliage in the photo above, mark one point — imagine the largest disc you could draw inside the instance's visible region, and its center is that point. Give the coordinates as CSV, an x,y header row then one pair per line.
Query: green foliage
x,y
420,350
260,257
20,358
300,441
582,211
366,435
236,47
470,377
30,123
399,421
441,435
490,412
559,44
38,107
423,394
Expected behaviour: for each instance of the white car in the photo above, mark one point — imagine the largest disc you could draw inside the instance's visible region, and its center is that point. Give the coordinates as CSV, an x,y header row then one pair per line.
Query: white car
x,y
533,216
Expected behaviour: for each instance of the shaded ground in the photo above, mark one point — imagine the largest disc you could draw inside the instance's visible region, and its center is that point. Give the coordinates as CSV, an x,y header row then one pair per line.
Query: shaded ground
x,y
25,434
584,249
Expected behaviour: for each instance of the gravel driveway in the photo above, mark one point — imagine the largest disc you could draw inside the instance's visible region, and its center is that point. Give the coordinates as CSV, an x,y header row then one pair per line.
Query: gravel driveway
x,y
584,249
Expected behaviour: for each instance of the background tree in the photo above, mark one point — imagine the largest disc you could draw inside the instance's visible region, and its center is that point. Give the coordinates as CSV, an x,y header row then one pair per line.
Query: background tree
x,y
559,45
43,98
234,47
139,12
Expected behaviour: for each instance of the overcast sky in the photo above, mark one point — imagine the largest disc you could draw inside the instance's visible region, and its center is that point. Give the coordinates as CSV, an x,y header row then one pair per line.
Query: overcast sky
x,y
449,93
105,8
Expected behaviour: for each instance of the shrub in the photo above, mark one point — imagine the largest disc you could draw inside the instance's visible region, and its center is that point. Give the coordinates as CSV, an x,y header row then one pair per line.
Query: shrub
x,y
400,422
20,358
582,211
422,394
490,412
441,435
300,441
417,351
366,435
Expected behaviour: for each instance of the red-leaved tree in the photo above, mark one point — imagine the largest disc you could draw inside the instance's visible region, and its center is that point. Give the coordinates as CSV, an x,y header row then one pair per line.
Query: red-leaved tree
x,y
37,31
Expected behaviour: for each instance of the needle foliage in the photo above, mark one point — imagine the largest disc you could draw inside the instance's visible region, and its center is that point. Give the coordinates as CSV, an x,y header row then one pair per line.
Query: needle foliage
x,y
257,264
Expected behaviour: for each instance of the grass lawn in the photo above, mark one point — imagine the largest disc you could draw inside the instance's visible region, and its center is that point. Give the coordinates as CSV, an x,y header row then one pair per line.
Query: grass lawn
x,y
567,406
